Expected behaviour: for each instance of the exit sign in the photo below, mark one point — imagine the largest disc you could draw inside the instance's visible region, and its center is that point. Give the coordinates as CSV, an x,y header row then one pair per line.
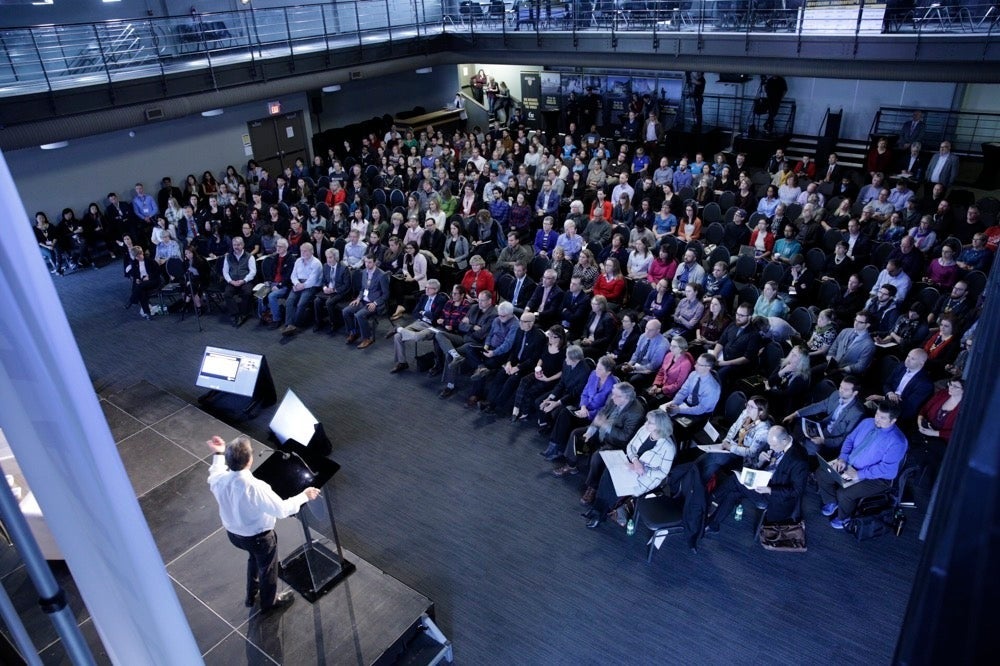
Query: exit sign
x,y
274,108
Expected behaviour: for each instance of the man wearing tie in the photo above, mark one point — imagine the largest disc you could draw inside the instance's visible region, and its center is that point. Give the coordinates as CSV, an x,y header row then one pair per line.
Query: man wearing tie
x,y
336,289
869,459
426,312
547,202
833,170
521,288
546,301
648,357
912,131
694,403
853,349
372,286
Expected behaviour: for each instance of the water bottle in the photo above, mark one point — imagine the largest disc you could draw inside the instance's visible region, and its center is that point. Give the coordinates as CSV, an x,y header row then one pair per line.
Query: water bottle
x,y
630,527
738,516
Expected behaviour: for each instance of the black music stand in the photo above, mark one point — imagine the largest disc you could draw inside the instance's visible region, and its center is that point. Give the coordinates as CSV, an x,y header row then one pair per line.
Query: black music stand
x,y
312,569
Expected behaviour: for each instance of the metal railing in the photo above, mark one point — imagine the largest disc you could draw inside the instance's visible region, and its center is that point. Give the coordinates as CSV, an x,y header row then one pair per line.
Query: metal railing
x,y
44,58
967,131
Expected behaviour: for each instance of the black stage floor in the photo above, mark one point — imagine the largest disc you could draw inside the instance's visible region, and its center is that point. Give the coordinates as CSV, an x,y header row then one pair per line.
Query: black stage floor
x,y
161,440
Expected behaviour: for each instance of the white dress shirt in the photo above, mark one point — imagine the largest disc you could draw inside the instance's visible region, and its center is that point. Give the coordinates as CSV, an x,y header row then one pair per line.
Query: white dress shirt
x,y
247,505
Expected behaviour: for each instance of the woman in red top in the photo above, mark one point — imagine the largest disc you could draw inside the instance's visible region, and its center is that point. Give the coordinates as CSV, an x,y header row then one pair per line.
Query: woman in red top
x,y
610,282
605,205
942,347
477,279
762,241
935,422
879,158
676,367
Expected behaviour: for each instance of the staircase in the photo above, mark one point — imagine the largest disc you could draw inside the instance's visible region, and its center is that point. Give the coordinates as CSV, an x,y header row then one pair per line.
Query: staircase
x,y
851,153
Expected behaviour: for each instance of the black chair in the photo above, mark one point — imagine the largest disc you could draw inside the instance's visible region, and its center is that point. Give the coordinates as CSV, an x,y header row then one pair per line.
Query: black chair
x,y
640,292
868,275
770,358
829,290
976,281
792,212
880,254
711,214
662,515
822,391
379,197
397,198
686,194
801,319
929,297
745,269
816,260
773,271
175,287
833,203
726,201
830,239
715,232
748,294
720,253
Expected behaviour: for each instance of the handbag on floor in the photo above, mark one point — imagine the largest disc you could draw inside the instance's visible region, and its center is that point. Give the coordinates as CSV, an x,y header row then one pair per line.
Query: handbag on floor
x,y
784,537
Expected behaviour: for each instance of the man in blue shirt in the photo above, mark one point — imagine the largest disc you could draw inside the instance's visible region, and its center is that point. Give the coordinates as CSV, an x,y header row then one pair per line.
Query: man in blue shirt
x,y
694,403
144,205
869,461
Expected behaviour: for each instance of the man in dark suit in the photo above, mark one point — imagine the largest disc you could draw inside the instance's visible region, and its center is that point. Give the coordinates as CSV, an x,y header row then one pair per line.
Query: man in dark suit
x,y
789,465
426,312
912,131
546,302
833,172
574,309
371,285
612,428
525,351
841,411
908,387
518,290
336,289
911,164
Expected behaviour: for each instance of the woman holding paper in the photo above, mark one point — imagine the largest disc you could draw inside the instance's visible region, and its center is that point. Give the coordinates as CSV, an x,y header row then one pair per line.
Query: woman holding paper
x,y
647,460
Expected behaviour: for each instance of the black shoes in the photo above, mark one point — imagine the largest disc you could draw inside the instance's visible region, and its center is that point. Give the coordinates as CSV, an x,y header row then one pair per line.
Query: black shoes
x,y
399,367
446,393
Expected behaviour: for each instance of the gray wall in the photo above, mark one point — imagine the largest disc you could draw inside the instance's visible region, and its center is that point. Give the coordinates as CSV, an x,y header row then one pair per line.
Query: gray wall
x,y
89,168
361,100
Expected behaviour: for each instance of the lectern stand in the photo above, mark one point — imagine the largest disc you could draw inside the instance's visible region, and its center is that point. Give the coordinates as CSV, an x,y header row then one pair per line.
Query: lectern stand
x,y
313,568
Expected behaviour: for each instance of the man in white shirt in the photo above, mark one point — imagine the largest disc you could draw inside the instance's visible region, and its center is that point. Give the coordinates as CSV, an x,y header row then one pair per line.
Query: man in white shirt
x,y
622,188
249,509
307,275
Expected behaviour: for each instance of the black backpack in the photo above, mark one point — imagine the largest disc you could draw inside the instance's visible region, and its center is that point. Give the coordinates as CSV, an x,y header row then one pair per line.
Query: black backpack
x,y
873,517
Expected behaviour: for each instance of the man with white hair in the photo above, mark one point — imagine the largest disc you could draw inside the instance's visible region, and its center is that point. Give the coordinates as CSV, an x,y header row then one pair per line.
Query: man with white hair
x,y
306,276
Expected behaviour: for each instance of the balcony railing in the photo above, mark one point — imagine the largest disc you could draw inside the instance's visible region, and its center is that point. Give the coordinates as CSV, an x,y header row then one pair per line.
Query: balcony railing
x,y
53,57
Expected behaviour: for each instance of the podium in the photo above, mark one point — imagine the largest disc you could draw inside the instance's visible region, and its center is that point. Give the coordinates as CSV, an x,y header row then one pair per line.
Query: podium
x,y
300,461
312,569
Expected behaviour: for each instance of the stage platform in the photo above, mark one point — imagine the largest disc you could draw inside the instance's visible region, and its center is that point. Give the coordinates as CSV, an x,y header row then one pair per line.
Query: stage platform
x,y
369,618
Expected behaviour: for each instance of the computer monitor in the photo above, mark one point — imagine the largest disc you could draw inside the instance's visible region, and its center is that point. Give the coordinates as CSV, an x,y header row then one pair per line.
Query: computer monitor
x,y
293,421
229,371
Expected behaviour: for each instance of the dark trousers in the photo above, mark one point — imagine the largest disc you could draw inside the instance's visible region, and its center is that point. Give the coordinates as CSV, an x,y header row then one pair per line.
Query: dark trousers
x,y
847,498
565,423
501,390
606,496
262,565
141,292
731,492
239,299
330,304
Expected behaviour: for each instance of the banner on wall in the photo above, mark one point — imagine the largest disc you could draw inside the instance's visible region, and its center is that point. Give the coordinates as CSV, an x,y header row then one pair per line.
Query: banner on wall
x,y
619,89
531,94
552,93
